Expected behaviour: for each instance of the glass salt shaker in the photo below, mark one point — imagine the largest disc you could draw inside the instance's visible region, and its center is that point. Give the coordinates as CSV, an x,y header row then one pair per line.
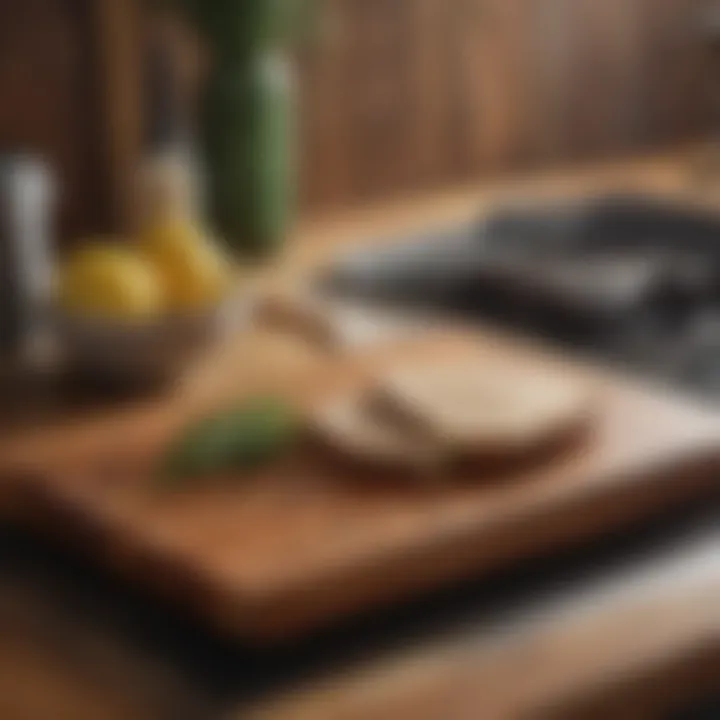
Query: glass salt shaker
x,y
27,199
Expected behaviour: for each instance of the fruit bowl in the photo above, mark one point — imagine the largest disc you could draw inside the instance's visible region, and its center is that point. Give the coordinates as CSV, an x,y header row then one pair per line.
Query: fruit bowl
x,y
139,308
141,352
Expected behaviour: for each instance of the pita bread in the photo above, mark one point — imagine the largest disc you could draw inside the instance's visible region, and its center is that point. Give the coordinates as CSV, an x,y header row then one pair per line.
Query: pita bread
x,y
424,417
476,409
352,425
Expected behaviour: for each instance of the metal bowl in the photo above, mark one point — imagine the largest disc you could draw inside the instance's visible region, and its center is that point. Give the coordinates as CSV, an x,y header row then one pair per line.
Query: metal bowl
x,y
142,352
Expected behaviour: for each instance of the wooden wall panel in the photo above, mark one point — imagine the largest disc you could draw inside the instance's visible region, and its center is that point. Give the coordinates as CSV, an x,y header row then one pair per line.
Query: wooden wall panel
x,y
324,121
491,76
378,94
681,83
413,94
401,95
429,112
117,97
70,71
45,106
553,54
601,67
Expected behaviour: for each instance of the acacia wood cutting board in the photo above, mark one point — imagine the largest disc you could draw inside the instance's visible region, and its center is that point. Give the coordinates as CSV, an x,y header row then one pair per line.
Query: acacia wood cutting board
x,y
313,538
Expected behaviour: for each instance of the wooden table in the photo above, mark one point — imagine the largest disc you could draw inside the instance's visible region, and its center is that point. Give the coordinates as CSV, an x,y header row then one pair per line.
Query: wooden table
x,y
94,649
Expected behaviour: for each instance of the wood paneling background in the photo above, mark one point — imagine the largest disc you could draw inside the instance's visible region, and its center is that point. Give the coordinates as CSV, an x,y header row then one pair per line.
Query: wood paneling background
x,y
409,94
46,99
68,73
398,95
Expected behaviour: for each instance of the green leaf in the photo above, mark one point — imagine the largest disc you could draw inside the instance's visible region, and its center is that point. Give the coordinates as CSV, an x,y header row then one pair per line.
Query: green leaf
x,y
240,438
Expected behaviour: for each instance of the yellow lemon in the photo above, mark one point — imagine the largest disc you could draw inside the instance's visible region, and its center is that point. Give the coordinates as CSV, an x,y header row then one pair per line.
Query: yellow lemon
x,y
195,272
110,281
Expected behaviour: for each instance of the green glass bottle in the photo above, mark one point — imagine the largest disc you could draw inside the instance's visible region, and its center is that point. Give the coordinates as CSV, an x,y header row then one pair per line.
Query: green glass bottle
x,y
248,121
248,141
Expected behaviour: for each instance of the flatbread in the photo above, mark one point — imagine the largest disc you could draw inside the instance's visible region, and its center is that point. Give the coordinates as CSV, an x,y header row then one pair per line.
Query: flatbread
x,y
352,425
482,408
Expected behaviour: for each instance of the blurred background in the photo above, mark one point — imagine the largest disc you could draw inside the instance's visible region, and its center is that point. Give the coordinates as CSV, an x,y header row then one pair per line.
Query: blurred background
x,y
396,97
307,137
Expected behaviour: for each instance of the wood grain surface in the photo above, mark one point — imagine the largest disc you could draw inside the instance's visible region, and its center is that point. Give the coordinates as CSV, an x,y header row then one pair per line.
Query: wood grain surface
x,y
313,538
396,97
630,647
118,78
52,668
94,674
51,105
412,94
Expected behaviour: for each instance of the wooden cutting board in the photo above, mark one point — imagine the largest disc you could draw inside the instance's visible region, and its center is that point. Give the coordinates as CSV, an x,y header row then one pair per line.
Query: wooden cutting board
x,y
313,538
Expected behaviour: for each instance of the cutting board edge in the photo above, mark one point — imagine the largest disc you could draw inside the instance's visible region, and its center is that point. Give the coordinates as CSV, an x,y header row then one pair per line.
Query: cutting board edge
x,y
290,611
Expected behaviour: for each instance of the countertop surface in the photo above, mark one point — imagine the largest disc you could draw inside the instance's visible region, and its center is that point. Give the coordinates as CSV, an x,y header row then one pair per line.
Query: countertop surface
x,y
638,613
